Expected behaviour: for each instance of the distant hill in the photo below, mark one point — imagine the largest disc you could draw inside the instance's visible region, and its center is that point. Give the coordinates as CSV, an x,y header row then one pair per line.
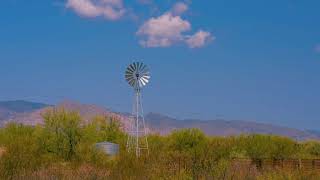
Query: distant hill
x,y
164,124
20,106
11,109
30,113
315,132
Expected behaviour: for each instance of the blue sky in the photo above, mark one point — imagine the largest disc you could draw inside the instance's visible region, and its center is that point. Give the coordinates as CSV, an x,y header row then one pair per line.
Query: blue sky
x,y
256,60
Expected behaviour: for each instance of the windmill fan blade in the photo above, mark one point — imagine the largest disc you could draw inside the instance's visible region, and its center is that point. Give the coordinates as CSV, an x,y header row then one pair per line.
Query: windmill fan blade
x,y
139,66
132,82
143,67
137,75
146,76
129,79
135,65
128,75
130,70
132,67
144,70
144,81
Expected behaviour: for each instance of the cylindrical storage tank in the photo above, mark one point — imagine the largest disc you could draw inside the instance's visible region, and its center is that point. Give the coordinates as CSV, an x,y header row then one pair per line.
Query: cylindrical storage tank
x,y
108,148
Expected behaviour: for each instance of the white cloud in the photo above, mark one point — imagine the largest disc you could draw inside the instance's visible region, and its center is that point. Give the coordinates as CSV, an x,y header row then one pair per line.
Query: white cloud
x,y
168,29
179,8
109,9
163,31
199,39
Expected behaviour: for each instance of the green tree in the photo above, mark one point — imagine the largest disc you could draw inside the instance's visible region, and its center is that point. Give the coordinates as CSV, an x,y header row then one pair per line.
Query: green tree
x,y
283,148
189,146
258,148
311,149
104,128
62,132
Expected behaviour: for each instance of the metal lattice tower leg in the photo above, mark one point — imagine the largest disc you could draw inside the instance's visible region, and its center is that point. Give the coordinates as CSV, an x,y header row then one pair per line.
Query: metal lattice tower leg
x,y
137,136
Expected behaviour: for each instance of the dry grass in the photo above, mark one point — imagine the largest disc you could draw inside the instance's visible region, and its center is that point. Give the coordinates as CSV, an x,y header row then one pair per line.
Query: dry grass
x,y
65,172
2,151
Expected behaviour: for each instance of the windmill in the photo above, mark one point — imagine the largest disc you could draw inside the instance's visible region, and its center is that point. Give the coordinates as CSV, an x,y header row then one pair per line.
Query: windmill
x,y
137,75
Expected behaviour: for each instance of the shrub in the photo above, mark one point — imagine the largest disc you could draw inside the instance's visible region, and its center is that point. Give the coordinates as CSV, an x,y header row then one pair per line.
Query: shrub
x,y
62,132
22,152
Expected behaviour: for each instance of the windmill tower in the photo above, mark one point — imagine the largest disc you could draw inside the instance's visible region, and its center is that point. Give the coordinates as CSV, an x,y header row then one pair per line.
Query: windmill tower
x,y
137,75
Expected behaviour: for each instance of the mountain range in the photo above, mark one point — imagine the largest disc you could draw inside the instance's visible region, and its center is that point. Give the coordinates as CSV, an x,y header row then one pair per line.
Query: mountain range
x,y
29,113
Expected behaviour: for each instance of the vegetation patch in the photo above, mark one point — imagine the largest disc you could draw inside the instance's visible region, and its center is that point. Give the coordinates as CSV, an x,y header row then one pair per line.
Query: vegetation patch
x,y
64,148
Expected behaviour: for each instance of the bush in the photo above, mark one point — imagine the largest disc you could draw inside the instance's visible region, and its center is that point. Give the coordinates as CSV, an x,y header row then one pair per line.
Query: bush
x,y
62,131
311,149
22,152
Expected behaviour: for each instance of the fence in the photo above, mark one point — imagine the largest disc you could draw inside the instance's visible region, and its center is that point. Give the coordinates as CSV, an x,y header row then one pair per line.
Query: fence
x,y
294,164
